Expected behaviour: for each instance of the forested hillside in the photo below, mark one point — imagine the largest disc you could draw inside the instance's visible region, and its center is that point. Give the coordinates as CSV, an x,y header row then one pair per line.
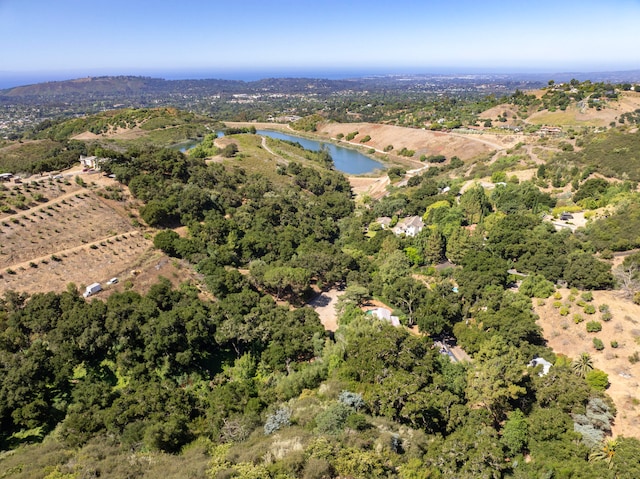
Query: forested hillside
x,y
235,375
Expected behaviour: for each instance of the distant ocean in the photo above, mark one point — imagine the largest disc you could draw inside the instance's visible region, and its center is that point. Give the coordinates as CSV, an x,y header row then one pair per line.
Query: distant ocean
x,y
10,80
253,75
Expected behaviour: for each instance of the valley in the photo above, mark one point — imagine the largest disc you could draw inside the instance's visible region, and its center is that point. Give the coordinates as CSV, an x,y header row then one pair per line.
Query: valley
x,y
261,314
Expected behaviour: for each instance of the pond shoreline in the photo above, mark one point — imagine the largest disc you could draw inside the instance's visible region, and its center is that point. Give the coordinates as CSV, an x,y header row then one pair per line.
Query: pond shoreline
x,y
364,151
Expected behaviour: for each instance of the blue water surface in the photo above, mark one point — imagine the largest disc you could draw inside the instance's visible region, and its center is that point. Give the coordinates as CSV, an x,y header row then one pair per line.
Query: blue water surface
x,y
346,160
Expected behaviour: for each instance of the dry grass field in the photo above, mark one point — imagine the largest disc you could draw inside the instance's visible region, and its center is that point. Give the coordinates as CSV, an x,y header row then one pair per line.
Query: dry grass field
x,y
566,336
423,142
76,235
573,116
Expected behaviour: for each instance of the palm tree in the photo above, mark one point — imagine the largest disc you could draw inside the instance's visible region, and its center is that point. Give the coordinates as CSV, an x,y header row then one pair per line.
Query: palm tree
x,y
582,365
605,453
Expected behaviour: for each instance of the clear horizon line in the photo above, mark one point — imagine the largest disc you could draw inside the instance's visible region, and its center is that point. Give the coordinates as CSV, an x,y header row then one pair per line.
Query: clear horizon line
x,y
11,79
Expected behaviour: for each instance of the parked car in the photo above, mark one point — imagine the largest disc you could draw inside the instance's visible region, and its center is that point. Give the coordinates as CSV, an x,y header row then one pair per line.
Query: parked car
x,y
112,281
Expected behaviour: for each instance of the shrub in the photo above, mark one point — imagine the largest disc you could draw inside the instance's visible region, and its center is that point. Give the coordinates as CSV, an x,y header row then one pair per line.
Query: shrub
x,y
594,326
603,308
406,152
436,158
590,309
352,400
332,419
281,418
537,286
351,135
607,253
229,151
564,310
395,172
499,177
357,422
634,358
606,316
587,296
317,468
598,380
577,318
614,344
166,241
598,344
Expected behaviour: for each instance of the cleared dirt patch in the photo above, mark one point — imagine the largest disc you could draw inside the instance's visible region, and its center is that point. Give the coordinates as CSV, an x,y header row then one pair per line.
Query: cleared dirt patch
x,y
73,235
325,305
95,262
114,133
423,142
81,218
567,337
376,188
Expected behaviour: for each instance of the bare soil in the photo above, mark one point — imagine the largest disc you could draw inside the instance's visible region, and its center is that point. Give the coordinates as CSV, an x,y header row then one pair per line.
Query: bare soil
x,y
325,305
77,236
114,133
574,115
567,337
376,188
423,142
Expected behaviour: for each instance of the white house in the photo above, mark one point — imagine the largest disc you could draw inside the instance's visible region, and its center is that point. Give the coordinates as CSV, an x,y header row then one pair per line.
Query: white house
x,y
385,315
384,221
546,365
409,226
92,162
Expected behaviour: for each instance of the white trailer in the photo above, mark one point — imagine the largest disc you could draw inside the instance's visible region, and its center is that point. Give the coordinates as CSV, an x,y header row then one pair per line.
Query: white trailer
x,y
92,289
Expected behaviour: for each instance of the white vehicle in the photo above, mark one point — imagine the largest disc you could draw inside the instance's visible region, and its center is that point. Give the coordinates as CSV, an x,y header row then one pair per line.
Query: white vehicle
x,y
92,289
112,281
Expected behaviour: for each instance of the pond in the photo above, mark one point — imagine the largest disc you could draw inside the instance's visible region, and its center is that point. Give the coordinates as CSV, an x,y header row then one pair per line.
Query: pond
x,y
187,145
346,160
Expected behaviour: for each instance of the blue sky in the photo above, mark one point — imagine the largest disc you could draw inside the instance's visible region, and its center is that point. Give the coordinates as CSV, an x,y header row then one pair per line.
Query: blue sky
x,y
87,37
